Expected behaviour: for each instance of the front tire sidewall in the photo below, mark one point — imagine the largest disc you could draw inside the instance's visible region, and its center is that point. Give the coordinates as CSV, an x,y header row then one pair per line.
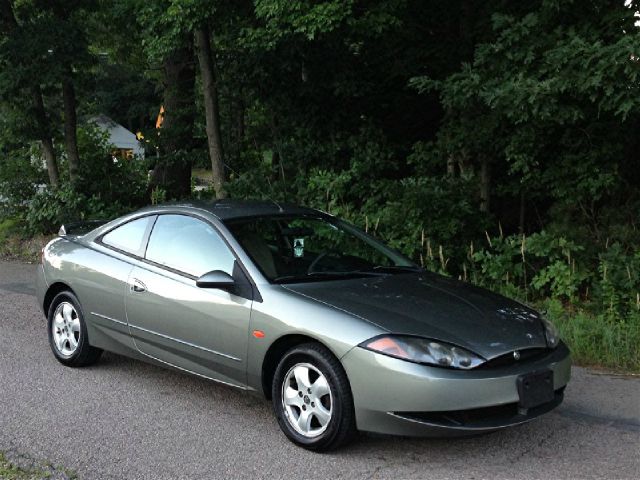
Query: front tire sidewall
x,y
340,426
75,359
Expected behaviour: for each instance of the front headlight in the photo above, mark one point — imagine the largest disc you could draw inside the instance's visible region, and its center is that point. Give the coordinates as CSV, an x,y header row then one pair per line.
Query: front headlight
x,y
550,333
423,350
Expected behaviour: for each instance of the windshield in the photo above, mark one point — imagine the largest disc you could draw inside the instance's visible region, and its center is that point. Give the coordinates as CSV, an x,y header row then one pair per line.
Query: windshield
x,y
303,248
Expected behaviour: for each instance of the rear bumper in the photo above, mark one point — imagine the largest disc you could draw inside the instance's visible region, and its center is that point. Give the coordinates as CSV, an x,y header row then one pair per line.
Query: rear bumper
x,y
397,397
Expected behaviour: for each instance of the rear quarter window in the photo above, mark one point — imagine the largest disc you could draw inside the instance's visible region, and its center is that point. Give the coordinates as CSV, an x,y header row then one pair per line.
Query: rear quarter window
x,y
129,237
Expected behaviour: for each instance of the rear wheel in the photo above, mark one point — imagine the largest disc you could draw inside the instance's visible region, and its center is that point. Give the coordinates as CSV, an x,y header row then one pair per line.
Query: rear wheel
x,y
312,398
68,332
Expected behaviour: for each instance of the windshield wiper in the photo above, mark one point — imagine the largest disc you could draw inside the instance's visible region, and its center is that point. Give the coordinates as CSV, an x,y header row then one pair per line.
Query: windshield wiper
x,y
327,275
397,268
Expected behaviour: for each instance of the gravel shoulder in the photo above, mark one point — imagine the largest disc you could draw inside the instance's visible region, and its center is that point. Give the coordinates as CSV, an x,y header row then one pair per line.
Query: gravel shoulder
x,y
126,419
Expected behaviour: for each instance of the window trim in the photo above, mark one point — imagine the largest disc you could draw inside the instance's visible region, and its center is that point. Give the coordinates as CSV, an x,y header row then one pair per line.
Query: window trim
x,y
255,292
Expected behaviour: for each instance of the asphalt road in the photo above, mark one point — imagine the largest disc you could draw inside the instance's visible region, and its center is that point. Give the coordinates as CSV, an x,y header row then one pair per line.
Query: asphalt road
x,y
126,419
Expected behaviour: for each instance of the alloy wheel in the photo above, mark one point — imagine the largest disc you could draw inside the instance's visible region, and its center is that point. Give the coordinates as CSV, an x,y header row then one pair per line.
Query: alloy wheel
x,y
307,400
66,329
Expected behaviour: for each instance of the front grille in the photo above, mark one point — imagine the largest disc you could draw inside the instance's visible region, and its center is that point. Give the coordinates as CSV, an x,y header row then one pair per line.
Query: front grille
x,y
527,354
485,417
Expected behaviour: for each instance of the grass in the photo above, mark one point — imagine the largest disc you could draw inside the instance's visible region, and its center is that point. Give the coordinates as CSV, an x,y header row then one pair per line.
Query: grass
x,y
8,470
30,470
598,340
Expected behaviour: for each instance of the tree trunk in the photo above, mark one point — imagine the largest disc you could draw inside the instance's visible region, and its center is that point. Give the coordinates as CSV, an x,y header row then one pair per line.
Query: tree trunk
x,y
172,172
521,218
52,165
451,166
45,137
485,184
464,164
70,126
211,107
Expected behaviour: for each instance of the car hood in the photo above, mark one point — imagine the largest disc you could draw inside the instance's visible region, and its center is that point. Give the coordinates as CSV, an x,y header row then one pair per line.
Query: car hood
x,y
436,307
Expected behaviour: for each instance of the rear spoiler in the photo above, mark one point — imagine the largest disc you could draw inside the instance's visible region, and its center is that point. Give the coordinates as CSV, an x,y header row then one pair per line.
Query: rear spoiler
x,y
78,228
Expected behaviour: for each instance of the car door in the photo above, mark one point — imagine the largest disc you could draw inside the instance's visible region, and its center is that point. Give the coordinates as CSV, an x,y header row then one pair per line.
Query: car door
x,y
102,274
202,330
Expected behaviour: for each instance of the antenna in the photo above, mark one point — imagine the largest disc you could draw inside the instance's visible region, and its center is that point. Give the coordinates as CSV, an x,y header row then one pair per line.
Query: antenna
x,y
280,209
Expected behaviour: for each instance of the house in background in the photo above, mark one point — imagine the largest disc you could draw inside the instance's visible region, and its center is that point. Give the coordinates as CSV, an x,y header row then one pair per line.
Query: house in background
x,y
125,142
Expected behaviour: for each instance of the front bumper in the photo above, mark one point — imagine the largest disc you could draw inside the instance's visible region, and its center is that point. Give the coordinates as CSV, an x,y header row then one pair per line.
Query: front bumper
x,y
402,398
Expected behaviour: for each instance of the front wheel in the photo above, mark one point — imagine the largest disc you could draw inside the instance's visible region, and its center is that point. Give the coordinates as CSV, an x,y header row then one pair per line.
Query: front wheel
x,y
68,332
312,398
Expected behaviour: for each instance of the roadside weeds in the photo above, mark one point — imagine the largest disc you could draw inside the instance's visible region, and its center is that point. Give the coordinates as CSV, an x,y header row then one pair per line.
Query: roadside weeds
x,y
14,466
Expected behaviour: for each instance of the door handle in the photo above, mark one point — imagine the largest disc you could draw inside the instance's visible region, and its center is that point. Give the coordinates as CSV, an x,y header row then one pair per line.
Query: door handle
x,y
138,287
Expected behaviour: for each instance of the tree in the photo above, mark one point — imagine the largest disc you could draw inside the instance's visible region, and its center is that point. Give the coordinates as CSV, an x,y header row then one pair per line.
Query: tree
x,y
212,109
173,171
546,102
169,49
67,22
69,33
18,51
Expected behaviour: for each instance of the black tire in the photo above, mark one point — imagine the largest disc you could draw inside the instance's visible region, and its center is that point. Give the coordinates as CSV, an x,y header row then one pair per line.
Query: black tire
x,y
84,354
341,428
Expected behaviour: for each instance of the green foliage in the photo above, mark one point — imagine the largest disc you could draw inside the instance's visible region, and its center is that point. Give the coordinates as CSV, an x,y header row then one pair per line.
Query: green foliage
x,y
549,99
543,266
618,281
21,467
8,227
50,208
597,339
103,176
99,192
539,265
305,18
20,175
158,195
407,212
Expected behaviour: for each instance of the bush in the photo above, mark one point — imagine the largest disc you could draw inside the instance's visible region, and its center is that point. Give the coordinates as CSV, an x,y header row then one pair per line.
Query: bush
x,y
599,339
617,285
20,176
106,188
107,179
50,208
535,266
431,218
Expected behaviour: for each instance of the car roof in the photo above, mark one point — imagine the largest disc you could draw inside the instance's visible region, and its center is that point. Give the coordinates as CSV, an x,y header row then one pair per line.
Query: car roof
x,y
229,209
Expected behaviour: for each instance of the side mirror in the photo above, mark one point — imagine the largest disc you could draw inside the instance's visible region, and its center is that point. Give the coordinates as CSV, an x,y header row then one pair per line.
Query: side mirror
x,y
216,279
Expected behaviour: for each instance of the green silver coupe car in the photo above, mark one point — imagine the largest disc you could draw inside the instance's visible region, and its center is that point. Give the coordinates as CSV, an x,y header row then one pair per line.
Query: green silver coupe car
x,y
341,332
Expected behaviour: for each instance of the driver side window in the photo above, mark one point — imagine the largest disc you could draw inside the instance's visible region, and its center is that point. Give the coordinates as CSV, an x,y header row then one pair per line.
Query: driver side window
x,y
188,245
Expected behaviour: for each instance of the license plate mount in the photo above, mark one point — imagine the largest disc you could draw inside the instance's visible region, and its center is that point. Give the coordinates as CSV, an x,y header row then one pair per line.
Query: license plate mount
x,y
535,388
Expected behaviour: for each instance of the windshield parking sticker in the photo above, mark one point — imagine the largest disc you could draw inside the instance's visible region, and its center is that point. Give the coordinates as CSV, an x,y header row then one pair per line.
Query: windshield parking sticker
x,y
298,247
